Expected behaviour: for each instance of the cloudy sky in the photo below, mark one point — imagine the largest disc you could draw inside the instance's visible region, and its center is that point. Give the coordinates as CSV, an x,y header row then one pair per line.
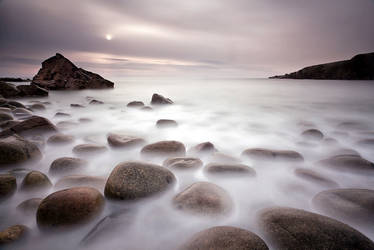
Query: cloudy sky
x,y
226,38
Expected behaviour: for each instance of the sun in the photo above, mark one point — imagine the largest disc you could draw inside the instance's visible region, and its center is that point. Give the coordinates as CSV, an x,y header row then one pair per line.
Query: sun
x,y
108,37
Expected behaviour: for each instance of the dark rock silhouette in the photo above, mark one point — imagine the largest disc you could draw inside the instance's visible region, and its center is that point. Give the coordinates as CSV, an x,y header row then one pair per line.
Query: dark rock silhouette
x,y
360,67
9,90
58,73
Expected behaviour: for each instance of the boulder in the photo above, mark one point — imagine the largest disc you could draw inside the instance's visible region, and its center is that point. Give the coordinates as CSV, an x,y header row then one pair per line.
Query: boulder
x,y
69,207
312,134
183,163
8,186
353,205
13,234
89,149
165,123
135,104
58,73
60,139
164,149
66,165
21,112
34,124
8,90
37,106
81,180
289,228
95,102
62,114
219,169
204,198
74,105
30,206
348,163
224,237
31,90
15,149
314,177
8,124
133,180
160,100
124,141
16,104
67,124
205,148
5,117
146,108
270,155
35,180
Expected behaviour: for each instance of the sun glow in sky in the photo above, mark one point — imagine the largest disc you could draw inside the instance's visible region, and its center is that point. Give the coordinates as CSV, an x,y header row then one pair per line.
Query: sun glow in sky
x,y
108,37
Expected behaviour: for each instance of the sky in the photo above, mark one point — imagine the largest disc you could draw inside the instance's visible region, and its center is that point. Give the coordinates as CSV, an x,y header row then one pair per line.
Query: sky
x,y
209,38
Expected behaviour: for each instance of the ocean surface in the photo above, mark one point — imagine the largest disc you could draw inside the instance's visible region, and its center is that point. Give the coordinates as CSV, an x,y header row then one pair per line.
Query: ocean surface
x,y
233,114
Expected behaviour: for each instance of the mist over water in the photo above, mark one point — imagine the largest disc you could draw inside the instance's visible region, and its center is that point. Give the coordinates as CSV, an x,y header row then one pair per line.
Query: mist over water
x,y
232,114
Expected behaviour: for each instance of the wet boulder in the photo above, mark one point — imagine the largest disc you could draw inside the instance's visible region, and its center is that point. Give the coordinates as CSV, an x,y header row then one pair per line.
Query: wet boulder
x,y
30,206
5,117
13,234
164,149
35,181
95,102
8,186
62,114
160,100
8,124
314,177
81,180
35,124
270,155
75,105
224,237
204,198
67,165
15,149
21,112
348,163
183,163
166,123
124,141
69,207
205,148
353,205
134,180
222,169
135,104
289,228
37,106
312,134
89,149
8,90
60,139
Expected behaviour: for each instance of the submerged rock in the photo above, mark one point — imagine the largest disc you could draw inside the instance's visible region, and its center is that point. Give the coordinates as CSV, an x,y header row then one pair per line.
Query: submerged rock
x,y
37,106
62,114
58,73
81,180
13,234
34,181
354,205
224,237
135,104
75,105
30,206
183,163
60,139
67,165
164,149
124,141
204,198
165,123
69,207
8,186
133,180
160,100
315,177
268,154
94,102
5,117
15,149
33,125
369,143
312,134
349,163
205,148
289,228
229,169
89,149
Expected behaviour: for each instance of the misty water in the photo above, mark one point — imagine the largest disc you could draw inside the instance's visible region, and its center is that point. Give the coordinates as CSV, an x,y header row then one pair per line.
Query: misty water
x,y
233,114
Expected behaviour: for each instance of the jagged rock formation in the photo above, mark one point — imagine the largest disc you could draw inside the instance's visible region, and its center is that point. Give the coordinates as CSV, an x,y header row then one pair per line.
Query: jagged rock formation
x,y
360,67
58,73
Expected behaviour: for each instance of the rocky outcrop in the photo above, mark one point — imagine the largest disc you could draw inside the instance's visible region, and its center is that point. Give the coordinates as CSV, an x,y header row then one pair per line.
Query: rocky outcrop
x,y
134,180
225,237
69,207
58,73
289,228
360,67
9,90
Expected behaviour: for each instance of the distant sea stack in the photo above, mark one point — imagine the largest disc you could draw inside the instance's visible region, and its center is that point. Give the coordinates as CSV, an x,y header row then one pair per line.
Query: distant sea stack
x,y
58,73
360,67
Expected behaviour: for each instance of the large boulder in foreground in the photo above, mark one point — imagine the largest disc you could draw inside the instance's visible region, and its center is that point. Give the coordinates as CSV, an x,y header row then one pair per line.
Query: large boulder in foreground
x,y
133,180
289,228
204,198
270,155
164,149
33,125
224,237
58,73
355,205
15,149
13,234
69,207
